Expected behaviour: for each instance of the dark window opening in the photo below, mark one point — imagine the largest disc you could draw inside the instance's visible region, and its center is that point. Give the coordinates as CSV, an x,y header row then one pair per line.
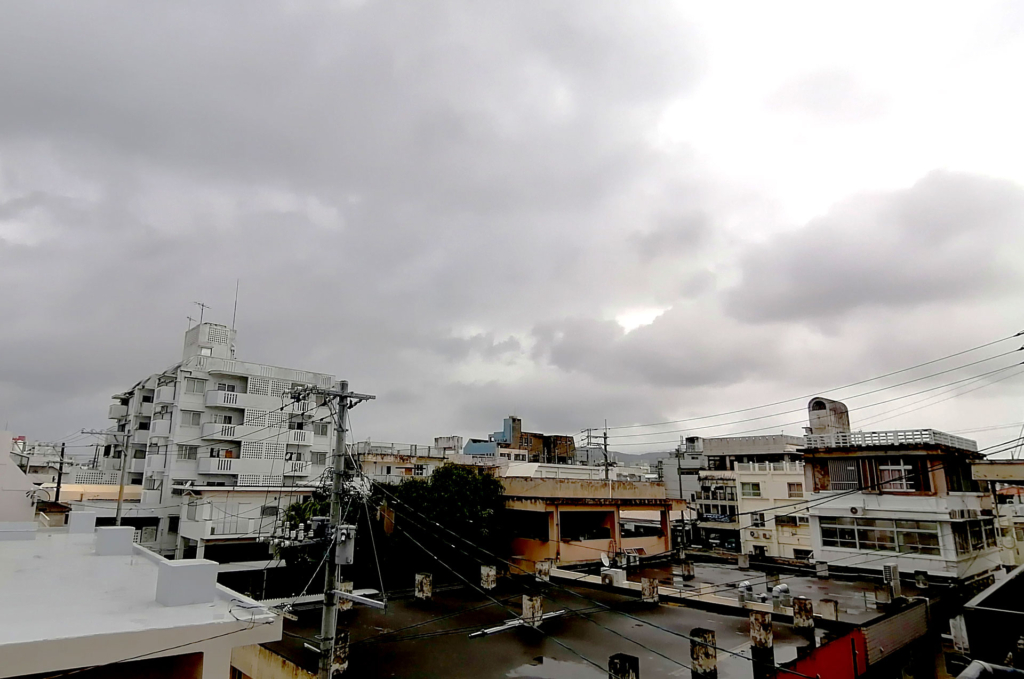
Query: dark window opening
x,y
576,526
529,525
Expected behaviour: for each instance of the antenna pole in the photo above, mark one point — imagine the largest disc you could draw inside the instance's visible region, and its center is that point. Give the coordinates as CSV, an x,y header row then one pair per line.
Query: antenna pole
x,y
202,310
234,313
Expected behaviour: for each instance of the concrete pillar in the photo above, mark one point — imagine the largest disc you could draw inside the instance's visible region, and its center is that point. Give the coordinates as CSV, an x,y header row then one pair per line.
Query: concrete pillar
x,y
217,663
543,570
703,654
343,603
649,590
533,609
803,616
821,569
201,549
743,561
762,651
488,577
623,666
424,586
829,609
179,548
687,570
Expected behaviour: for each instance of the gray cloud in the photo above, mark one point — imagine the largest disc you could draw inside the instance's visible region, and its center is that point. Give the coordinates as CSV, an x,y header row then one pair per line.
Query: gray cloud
x,y
947,238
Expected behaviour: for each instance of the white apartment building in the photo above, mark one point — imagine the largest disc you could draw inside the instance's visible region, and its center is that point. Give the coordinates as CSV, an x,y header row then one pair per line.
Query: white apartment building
x,y
905,497
396,462
217,447
773,523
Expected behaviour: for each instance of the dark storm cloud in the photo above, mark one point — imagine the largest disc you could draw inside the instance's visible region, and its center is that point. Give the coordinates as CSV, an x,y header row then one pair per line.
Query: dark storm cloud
x,y
950,237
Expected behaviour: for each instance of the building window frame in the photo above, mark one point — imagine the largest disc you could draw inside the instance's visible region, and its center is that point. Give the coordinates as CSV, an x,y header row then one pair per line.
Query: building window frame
x,y
750,489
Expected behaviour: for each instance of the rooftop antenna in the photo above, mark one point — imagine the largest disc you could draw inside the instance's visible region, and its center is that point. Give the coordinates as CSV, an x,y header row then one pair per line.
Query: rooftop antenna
x,y
202,310
234,313
190,320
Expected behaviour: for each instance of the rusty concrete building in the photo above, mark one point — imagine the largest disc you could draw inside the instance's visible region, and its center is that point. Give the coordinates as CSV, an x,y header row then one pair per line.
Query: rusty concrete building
x,y
537,447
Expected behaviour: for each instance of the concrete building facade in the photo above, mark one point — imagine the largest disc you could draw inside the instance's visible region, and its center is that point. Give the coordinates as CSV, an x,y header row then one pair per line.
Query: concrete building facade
x,y
216,444
905,497
552,448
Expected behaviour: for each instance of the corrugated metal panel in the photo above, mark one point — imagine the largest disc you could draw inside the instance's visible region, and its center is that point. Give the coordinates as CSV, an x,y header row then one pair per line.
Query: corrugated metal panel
x,y
890,635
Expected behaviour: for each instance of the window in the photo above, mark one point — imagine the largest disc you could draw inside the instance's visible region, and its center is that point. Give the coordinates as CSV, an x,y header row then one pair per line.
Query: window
x,y
529,525
802,554
178,482
586,525
230,388
321,428
757,520
895,474
783,520
296,425
190,511
795,489
143,426
907,537
147,398
519,457
224,419
188,452
419,470
750,489
139,454
153,483
205,351
803,520
194,386
269,510
190,418
319,458
172,524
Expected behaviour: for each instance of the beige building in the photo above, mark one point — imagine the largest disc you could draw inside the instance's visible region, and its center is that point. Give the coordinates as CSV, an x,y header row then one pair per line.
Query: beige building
x,y
771,522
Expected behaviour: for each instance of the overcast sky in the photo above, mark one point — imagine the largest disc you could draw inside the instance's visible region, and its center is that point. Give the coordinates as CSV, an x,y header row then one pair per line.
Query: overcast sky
x,y
574,211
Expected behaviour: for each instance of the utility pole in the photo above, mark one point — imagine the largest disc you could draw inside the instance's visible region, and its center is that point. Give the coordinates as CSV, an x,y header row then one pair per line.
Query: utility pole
x,y
342,469
60,473
124,465
606,452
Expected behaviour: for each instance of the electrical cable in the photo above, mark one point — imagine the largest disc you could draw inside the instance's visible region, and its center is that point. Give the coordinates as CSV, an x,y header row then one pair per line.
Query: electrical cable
x,y
826,391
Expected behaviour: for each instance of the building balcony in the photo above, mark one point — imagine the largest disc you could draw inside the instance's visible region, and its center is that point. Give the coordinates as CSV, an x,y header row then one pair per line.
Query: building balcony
x,y
298,468
117,411
140,437
232,399
138,465
164,394
770,467
160,428
300,437
146,409
226,366
227,399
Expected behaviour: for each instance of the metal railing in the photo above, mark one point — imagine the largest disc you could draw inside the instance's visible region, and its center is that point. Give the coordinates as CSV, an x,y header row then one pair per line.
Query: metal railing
x,y
769,466
896,437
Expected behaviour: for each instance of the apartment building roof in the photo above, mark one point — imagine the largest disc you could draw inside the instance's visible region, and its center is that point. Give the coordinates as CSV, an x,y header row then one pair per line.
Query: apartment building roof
x,y
902,439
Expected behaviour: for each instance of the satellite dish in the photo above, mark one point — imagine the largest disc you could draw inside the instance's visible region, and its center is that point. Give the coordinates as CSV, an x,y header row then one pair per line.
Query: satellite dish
x,y
605,560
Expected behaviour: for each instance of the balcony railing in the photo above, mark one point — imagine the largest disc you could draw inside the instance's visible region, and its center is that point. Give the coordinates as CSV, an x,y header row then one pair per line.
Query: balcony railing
x,y
896,437
297,468
769,467
117,411
164,394
232,367
300,437
160,428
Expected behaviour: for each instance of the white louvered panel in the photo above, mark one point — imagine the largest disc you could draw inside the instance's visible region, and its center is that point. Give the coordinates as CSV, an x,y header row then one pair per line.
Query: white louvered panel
x,y
273,480
248,479
252,450
276,418
259,386
274,451
278,387
255,418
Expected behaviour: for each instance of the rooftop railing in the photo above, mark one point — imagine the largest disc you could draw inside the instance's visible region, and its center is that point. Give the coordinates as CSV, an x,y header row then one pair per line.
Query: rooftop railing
x,y
896,437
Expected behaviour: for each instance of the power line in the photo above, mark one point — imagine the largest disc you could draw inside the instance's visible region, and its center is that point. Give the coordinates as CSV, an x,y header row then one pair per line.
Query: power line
x,y
800,410
825,391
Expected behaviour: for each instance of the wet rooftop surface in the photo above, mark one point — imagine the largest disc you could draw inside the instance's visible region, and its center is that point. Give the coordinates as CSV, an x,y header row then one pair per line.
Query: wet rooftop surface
x,y
525,652
855,597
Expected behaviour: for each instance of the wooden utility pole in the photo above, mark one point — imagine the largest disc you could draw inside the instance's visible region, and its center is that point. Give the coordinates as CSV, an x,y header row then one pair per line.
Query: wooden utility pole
x,y
60,473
